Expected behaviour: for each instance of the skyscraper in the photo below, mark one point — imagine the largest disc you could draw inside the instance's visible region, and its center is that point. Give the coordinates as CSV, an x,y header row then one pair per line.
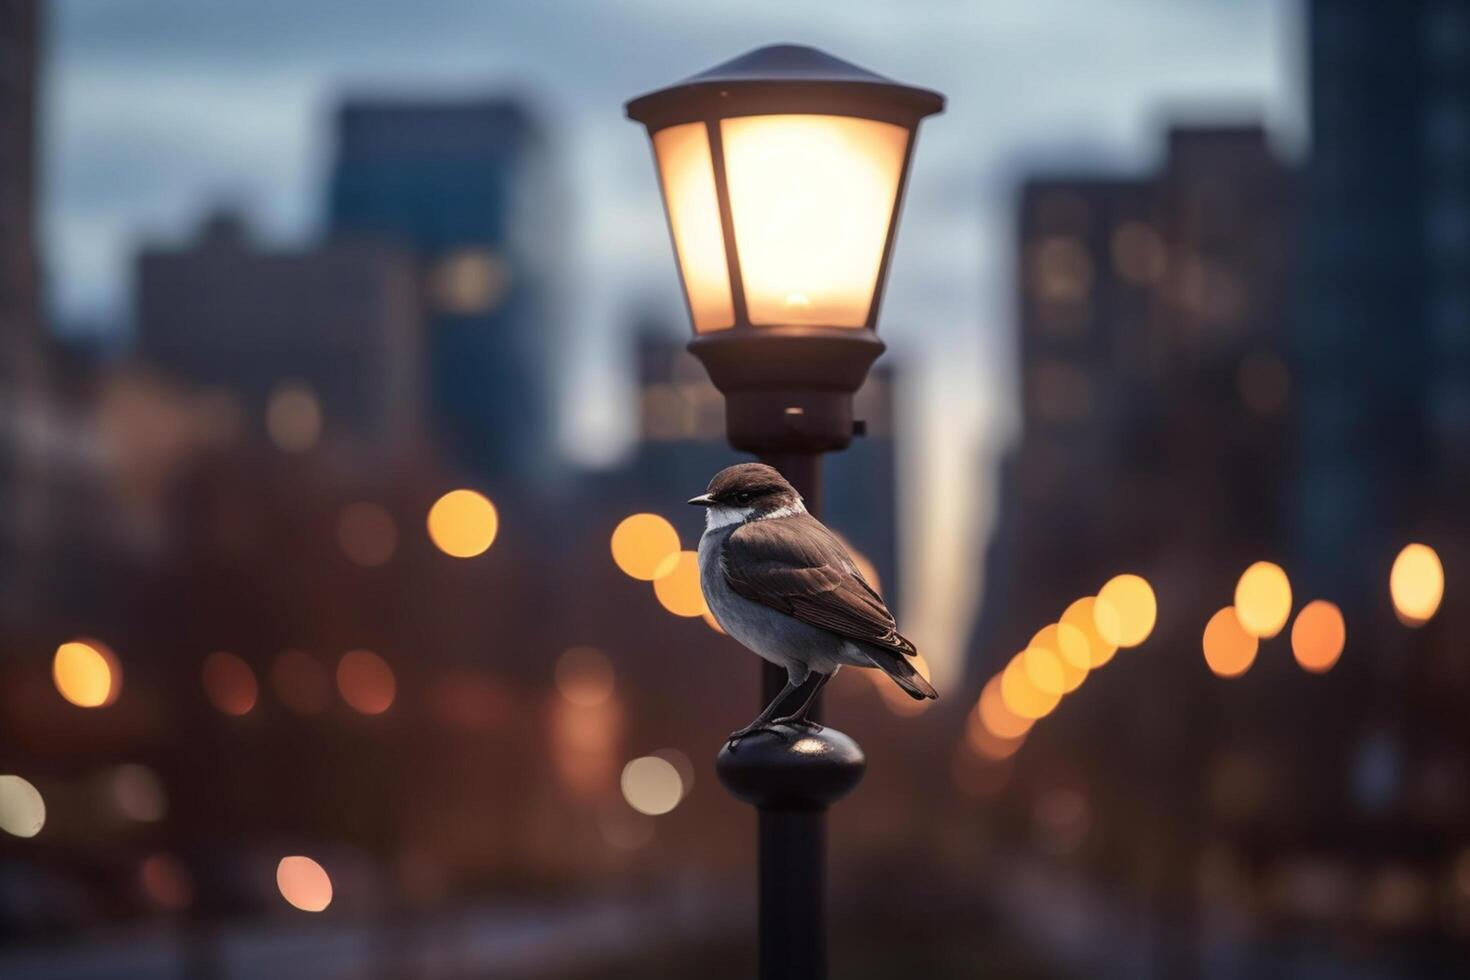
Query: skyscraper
x,y
20,329
1153,315
325,339
464,187
1384,352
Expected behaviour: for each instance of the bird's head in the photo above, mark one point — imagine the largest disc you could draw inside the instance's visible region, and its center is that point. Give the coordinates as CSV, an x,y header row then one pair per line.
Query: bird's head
x,y
745,492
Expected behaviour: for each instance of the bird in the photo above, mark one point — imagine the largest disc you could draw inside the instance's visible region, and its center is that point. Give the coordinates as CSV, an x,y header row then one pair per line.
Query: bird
x,y
784,586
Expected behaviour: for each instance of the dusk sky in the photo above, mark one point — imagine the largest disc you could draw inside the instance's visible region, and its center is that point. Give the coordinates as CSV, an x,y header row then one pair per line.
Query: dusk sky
x,y
155,110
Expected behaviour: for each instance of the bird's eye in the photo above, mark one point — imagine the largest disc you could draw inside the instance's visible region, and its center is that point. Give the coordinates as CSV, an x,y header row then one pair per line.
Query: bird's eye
x,y
743,497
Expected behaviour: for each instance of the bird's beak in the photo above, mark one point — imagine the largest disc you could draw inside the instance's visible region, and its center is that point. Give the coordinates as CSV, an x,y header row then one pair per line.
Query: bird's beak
x,y
703,500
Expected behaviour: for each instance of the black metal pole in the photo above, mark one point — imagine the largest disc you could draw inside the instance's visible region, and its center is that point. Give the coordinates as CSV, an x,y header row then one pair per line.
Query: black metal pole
x,y
791,780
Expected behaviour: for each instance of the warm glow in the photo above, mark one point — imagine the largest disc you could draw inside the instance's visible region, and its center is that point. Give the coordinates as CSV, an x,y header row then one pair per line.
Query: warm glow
x,y
1070,647
811,197
301,682
1229,649
229,683
1044,670
87,673
712,623
584,676
688,177
1318,636
1092,619
462,523
304,883
986,742
293,417
1000,720
1263,599
651,785
367,534
366,682
1132,598
677,587
640,544
22,811
1416,584
1021,697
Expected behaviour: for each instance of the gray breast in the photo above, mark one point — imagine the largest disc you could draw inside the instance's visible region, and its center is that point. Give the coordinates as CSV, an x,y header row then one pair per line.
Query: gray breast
x,y
773,635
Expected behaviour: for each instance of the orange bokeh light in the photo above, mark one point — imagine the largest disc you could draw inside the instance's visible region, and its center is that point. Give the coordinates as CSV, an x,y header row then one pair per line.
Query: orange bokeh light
x,y
1318,636
304,883
677,586
1085,615
1229,649
87,673
641,542
366,682
229,683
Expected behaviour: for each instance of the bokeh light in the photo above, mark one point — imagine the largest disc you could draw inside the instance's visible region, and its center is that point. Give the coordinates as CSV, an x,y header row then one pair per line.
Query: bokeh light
x,y
229,683
677,588
1021,697
584,676
1263,599
293,417
641,542
1000,720
301,682
1416,584
1229,649
1044,670
712,623
138,794
367,534
651,785
22,811
1132,598
1092,618
1318,636
366,682
304,883
463,523
166,882
1068,644
986,742
87,673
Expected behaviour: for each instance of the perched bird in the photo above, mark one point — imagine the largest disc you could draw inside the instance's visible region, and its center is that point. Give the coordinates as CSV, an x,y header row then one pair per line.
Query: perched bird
x,y
782,584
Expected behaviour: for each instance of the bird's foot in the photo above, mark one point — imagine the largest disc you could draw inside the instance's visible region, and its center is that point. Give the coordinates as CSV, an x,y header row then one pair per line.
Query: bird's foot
x,y
776,726
766,726
791,721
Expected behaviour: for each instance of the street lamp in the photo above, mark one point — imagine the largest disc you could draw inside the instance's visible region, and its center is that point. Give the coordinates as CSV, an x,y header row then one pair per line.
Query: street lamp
x,y
783,172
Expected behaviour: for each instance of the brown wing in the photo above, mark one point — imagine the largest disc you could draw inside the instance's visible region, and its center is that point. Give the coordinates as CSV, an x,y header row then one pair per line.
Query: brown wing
x,y
796,566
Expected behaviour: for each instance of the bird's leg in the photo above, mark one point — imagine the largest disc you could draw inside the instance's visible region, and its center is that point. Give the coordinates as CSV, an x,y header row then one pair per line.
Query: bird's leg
x,y
798,717
763,720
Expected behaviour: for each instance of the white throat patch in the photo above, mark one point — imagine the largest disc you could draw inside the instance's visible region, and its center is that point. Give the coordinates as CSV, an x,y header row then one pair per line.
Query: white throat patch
x,y
718,517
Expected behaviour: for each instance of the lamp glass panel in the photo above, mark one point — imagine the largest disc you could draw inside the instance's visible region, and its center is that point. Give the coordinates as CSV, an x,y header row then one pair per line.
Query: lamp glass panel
x,y
811,197
687,173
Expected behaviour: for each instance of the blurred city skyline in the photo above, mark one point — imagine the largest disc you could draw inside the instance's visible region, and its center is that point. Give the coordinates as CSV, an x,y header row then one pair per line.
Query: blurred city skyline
x,y
157,112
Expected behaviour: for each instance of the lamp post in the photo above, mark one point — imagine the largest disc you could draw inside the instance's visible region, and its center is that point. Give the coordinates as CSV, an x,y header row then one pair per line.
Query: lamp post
x,y
783,173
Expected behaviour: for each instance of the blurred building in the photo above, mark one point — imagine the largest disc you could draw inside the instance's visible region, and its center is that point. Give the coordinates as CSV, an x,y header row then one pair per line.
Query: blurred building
x,y
1384,350
21,347
465,188
1153,315
681,444
319,342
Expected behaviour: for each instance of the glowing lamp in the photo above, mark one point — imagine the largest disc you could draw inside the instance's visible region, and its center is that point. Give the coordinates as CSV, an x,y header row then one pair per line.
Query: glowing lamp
x,y
782,174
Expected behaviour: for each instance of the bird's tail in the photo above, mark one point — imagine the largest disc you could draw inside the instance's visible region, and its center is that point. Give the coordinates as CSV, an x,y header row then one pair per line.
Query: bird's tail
x,y
897,666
